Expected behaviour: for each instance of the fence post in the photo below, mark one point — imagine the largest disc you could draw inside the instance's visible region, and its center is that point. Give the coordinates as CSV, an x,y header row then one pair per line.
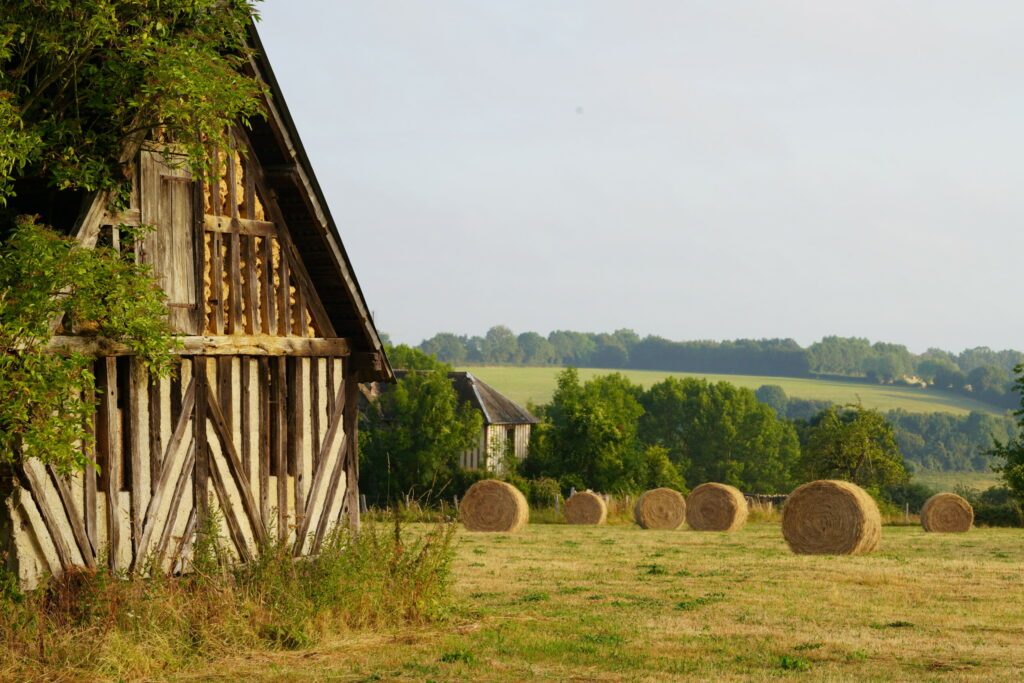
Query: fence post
x,y
906,512
557,503
572,491
362,504
456,498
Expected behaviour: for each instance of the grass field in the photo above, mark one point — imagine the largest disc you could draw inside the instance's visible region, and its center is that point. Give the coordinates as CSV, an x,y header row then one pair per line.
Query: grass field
x,y
948,481
536,384
617,603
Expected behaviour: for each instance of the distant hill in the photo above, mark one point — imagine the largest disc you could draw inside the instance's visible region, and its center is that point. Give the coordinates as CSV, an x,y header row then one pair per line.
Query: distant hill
x,y
536,384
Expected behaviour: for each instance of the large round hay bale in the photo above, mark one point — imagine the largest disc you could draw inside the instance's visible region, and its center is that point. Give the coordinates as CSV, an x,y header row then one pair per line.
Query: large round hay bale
x,y
492,505
586,507
831,518
947,512
660,509
716,507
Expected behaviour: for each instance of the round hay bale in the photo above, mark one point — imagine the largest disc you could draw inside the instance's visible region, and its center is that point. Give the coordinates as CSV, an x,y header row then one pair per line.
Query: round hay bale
x,y
660,509
831,518
586,507
716,507
947,512
492,505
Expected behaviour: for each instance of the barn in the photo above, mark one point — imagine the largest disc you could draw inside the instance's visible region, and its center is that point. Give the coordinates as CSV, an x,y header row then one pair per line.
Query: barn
x,y
507,424
258,428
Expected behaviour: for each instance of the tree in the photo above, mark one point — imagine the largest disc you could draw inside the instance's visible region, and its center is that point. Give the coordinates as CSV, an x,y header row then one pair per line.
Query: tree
x,y
773,396
79,79
80,83
446,347
1009,454
856,444
588,438
535,349
500,346
413,435
720,432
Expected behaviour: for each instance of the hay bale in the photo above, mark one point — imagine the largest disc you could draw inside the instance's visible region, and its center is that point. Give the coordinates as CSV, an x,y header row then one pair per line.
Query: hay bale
x,y
586,507
492,505
831,518
947,512
716,507
660,509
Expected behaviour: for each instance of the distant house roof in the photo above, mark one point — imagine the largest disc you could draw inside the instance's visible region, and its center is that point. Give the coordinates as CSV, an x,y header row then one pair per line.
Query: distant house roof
x,y
497,408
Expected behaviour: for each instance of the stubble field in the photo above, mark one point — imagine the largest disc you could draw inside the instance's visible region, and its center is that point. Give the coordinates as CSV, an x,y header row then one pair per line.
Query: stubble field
x,y
558,602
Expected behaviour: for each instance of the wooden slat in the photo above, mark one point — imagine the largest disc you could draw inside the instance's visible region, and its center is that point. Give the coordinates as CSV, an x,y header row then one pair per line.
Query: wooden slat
x,y
136,396
164,476
185,475
227,508
238,473
351,425
314,408
217,283
112,478
296,427
89,489
268,299
185,544
76,519
245,410
225,387
250,294
199,434
263,368
284,299
213,345
319,474
155,442
280,447
235,325
36,482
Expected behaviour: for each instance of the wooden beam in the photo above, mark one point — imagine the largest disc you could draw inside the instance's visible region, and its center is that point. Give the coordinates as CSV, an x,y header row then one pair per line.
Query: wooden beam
x,y
213,345
112,424
242,226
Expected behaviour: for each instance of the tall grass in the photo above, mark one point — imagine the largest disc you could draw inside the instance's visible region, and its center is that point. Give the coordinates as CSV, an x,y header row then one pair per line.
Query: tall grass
x,y
87,625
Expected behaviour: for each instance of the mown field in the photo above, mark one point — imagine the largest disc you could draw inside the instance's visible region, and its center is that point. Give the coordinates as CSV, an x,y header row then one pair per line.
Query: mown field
x,y
536,384
614,603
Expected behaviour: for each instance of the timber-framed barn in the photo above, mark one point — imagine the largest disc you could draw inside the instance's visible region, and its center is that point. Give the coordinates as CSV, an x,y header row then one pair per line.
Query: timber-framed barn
x,y
260,420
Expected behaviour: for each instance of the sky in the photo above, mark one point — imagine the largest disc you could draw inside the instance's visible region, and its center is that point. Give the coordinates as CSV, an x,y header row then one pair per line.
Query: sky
x,y
693,170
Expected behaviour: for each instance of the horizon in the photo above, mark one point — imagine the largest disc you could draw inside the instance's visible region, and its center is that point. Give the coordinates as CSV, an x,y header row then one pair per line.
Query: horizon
x,y
691,171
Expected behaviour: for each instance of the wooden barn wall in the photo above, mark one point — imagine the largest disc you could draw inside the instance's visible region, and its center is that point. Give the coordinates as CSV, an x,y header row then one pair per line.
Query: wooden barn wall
x,y
265,442
494,440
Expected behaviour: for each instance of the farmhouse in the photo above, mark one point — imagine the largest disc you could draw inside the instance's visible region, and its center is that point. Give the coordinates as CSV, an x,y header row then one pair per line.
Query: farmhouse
x,y
259,422
506,424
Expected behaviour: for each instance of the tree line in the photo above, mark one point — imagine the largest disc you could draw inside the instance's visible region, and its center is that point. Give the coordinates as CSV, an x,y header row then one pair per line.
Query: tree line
x,y
980,372
928,441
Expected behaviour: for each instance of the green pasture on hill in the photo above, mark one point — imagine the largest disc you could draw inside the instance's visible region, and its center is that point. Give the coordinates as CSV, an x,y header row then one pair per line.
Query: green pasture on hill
x,y
536,384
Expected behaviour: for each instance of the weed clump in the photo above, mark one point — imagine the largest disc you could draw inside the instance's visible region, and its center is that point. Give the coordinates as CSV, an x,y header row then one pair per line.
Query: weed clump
x,y
90,624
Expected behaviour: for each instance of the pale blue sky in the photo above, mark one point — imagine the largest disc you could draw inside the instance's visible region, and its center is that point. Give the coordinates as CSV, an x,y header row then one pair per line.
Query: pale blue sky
x,y
689,169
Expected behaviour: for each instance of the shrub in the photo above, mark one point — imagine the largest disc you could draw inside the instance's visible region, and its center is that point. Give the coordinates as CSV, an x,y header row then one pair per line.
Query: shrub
x,y
999,514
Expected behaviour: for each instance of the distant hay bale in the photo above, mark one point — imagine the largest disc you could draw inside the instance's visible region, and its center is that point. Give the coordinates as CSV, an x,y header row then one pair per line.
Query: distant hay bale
x,y
947,512
716,507
586,507
660,509
831,518
492,505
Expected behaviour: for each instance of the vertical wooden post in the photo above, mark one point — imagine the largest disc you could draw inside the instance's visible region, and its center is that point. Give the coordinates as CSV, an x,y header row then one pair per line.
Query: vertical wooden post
x,y
202,473
351,423
112,424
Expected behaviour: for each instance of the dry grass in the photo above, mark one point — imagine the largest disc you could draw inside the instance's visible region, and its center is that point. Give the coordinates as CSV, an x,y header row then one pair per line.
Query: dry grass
x,y
559,602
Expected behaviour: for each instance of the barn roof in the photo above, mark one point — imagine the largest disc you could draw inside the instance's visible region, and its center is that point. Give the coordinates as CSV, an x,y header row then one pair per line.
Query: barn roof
x,y
497,408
